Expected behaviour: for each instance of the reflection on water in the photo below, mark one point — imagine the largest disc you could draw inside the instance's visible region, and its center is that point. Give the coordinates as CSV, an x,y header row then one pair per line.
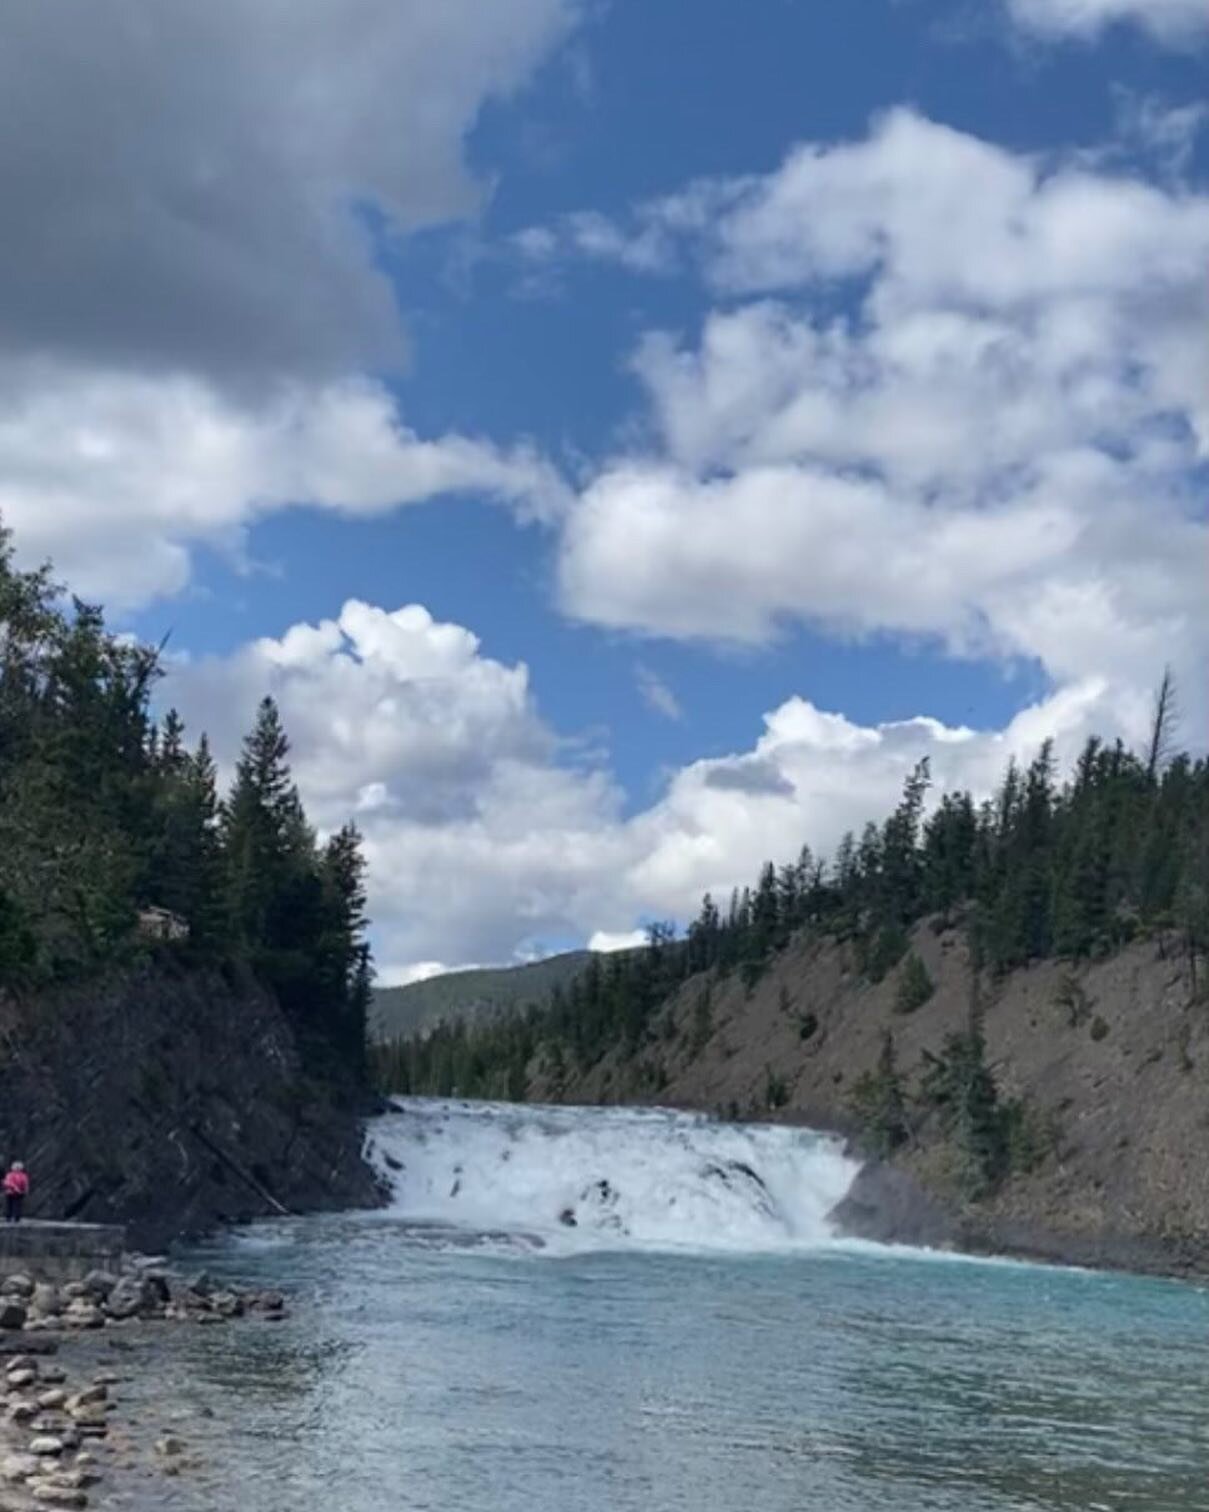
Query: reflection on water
x,y
424,1369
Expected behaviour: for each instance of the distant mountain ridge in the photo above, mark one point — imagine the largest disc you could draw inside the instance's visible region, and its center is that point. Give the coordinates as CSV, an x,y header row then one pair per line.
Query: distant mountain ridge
x,y
473,996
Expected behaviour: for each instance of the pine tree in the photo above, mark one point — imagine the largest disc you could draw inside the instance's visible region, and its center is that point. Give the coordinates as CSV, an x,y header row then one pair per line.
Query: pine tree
x,y
264,832
880,1104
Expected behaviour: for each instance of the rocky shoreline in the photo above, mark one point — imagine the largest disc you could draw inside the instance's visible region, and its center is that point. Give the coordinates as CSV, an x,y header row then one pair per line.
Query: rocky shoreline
x,y
888,1205
64,1439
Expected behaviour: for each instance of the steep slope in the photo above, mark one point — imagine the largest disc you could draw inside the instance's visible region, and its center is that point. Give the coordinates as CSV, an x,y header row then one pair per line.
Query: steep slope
x,y
469,996
174,1101
1109,1059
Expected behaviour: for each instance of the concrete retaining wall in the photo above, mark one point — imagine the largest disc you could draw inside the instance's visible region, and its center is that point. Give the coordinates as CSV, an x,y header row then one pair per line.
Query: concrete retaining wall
x,y
60,1251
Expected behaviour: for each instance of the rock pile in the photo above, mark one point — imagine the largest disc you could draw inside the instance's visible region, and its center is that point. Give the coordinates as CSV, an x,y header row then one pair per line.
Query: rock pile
x,y
58,1439
46,1435
102,1299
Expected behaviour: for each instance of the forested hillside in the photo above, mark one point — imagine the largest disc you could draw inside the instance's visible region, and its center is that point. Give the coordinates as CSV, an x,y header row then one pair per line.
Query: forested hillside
x,y
472,997
107,811
1072,870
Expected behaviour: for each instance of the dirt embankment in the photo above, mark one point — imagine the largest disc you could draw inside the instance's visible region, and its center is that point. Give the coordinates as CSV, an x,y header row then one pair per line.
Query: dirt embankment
x,y
1112,1059
173,1101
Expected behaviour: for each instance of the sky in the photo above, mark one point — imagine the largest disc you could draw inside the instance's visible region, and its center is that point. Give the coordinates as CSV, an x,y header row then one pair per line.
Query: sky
x,y
624,437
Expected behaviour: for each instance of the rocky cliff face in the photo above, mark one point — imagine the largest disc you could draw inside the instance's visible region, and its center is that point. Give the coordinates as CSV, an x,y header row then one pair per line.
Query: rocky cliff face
x,y
172,1101
1110,1058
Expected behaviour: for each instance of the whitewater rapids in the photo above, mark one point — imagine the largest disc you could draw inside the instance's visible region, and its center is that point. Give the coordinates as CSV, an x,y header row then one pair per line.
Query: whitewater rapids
x,y
564,1180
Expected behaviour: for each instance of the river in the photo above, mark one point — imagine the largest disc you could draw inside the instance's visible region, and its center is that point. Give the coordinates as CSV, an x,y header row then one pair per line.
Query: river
x,y
610,1311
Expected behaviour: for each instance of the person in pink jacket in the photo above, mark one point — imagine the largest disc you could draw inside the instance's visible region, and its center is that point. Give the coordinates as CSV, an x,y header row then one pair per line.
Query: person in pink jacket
x,y
16,1190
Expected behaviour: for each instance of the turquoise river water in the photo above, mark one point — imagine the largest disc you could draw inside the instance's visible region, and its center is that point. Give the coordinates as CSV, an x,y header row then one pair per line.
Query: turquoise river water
x,y
601,1311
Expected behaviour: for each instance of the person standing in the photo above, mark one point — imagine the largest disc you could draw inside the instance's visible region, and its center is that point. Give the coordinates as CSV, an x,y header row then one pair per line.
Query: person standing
x,y
16,1190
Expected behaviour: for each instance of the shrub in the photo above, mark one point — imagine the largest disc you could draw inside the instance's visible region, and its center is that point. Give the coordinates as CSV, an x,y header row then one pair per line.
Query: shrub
x,y
880,953
915,986
1072,996
776,1089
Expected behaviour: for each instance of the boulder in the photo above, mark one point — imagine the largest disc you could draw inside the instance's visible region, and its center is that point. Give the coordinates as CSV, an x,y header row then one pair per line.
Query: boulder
x,y
81,1314
169,1447
53,1399
159,1286
48,1422
92,1422
228,1304
19,1285
58,1496
98,1284
19,1467
90,1396
12,1314
200,1284
24,1377
46,1300
129,1297
46,1446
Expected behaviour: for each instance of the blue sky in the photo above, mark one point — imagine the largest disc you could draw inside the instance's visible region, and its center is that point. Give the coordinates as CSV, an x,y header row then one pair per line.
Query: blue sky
x,y
760,396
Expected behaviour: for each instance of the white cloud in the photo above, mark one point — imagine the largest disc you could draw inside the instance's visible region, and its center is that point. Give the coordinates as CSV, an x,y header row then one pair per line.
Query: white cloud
x,y
609,944
188,276
1000,446
1169,20
117,476
656,694
484,840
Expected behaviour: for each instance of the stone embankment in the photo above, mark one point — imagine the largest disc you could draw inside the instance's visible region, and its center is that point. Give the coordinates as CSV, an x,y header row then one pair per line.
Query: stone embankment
x,y
60,1438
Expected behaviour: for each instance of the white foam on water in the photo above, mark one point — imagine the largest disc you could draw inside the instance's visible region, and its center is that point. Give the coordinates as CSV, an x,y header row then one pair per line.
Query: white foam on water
x,y
579,1179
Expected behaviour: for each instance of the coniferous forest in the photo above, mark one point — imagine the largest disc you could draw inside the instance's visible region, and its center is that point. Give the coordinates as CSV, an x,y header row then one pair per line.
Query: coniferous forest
x,y
1072,866
108,812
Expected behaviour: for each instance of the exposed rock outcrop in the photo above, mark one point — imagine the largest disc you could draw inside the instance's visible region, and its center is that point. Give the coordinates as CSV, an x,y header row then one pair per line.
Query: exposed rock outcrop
x,y
172,1101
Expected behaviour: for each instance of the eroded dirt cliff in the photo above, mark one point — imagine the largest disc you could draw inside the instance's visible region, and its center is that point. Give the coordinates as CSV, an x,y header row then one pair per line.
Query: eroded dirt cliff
x,y
1110,1058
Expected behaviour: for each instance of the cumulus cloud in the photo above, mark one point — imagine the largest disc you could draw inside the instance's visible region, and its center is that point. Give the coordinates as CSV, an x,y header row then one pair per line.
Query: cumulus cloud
x,y
1178,21
118,476
485,840
195,197
193,184
998,447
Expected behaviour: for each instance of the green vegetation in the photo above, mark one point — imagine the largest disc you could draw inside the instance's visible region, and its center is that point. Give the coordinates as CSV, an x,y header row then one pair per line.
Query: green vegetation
x,y
1041,869
915,986
959,1084
106,813
776,1089
474,996
879,1102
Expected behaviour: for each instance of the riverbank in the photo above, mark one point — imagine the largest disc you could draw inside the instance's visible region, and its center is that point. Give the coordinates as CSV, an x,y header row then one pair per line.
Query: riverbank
x,y
69,1358
1104,1059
